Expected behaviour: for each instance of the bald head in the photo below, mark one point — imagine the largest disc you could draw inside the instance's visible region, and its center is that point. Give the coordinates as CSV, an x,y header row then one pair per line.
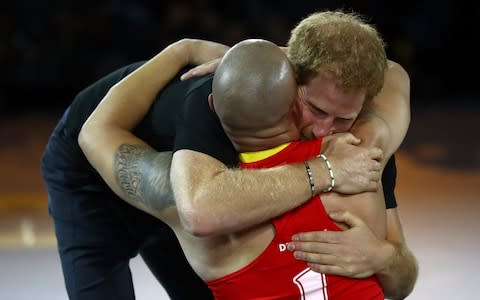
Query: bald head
x,y
253,87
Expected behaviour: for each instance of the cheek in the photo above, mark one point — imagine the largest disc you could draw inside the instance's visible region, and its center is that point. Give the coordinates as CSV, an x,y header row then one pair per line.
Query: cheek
x,y
307,117
343,127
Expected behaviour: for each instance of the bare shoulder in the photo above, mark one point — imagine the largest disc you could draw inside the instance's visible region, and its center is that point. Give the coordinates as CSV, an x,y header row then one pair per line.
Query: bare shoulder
x,y
397,71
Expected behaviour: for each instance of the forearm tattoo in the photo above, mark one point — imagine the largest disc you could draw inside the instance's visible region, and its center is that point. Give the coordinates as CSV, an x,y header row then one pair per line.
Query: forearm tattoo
x,y
369,113
143,174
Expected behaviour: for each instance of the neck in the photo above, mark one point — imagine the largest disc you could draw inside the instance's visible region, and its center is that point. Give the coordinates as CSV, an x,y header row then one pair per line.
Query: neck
x,y
252,144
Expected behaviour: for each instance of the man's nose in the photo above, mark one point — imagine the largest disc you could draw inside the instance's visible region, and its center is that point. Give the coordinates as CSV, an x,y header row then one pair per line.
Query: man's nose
x,y
323,128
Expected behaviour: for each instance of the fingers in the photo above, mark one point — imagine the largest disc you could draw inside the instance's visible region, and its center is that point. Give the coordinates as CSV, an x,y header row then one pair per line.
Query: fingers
x,y
346,217
323,258
317,237
376,154
328,269
203,69
356,168
372,186
191,73
346,137
316,257
315,252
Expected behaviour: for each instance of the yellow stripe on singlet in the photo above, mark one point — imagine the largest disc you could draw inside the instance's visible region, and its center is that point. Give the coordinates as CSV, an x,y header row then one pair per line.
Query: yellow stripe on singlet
x,y
248,157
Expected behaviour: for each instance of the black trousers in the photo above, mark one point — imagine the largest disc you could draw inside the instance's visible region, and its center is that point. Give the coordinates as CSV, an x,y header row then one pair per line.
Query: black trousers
x,y
98,233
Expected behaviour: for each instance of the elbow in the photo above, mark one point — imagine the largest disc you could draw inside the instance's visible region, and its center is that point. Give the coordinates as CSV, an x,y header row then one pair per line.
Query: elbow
x,y
398,295
88,138
83,138
194,224
399,292
199,221
406,285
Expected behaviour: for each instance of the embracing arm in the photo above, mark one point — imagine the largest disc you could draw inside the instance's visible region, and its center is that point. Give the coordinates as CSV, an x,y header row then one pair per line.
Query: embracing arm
x,y
385,120
363,253
358,253
213,199
399,271
131,168
200,177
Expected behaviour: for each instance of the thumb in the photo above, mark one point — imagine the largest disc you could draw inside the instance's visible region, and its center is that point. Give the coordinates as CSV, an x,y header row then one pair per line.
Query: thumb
x,y
189,74
346,217
354,140
349,138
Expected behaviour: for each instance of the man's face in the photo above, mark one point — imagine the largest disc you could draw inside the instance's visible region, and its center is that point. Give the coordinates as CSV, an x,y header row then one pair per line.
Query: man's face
x,y
322,108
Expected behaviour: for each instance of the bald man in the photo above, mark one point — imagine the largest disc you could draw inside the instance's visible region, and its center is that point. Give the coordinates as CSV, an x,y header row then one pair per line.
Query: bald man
x,y
252,95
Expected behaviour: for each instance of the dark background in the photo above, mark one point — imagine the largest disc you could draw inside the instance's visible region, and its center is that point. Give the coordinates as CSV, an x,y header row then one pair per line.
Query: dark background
x,y
50,50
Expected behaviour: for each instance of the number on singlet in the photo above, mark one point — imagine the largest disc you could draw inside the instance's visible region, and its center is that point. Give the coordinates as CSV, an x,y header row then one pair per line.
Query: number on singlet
x,y
312,285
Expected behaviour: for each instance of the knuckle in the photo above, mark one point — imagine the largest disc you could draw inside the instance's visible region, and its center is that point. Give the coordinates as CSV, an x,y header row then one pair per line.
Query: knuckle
x,y
316,268
350,270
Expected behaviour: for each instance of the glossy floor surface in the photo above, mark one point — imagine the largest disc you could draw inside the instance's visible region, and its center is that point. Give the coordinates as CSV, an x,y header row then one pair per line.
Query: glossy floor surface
x,y
438,194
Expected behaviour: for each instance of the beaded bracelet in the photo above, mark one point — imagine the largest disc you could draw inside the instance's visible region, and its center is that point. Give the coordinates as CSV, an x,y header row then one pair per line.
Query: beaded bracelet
x,y
330,173
310,177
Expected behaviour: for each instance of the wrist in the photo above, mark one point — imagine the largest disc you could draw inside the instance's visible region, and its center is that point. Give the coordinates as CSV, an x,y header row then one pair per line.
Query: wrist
x,y
330,173
321,180
183,51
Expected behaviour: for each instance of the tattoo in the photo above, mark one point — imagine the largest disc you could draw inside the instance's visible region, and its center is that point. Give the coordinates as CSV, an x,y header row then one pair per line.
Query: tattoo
x,y
369,114
143,174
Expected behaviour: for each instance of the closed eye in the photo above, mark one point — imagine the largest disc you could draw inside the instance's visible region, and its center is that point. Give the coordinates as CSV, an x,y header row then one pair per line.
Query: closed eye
x,y
317,111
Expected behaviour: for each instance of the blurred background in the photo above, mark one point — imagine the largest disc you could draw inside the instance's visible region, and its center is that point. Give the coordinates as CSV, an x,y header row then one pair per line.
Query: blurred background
x,y
50,50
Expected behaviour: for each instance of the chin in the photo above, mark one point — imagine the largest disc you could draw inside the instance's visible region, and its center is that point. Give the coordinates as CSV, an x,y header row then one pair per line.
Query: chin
x,y
307,136
304,138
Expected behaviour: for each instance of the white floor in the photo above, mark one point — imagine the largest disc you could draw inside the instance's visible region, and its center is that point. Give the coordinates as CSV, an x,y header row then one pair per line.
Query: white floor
x,y
35,274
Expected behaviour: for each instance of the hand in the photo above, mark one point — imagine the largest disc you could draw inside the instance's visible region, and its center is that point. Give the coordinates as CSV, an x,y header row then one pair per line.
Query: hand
x,y
203,69
202,51
206,54
355,252
356,168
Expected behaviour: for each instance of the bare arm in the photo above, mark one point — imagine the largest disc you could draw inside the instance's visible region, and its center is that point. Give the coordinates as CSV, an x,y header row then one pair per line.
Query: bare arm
x,y
399,272
385,120
364,253
213,199
131,168
199,177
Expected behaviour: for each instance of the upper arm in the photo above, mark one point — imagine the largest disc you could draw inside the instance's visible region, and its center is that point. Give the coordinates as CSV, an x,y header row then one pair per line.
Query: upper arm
x,y
394,227
384,123
388,112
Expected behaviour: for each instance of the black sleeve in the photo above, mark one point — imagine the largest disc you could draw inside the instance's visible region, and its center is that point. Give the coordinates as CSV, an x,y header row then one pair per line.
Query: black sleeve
x,y
389,178
87,100
199,129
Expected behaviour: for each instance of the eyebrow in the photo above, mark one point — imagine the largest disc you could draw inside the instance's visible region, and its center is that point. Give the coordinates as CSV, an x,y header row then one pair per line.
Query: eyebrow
x,y
317,109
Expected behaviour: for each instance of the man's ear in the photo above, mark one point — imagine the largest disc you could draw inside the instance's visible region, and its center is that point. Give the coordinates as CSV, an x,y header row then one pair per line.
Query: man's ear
x,y
211,102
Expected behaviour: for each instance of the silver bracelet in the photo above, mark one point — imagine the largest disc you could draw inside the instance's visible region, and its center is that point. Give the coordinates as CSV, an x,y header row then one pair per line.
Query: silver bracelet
x,y
330,173
310,177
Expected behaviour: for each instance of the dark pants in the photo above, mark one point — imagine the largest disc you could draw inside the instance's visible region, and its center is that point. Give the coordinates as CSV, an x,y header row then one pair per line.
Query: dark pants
x,y
98,233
